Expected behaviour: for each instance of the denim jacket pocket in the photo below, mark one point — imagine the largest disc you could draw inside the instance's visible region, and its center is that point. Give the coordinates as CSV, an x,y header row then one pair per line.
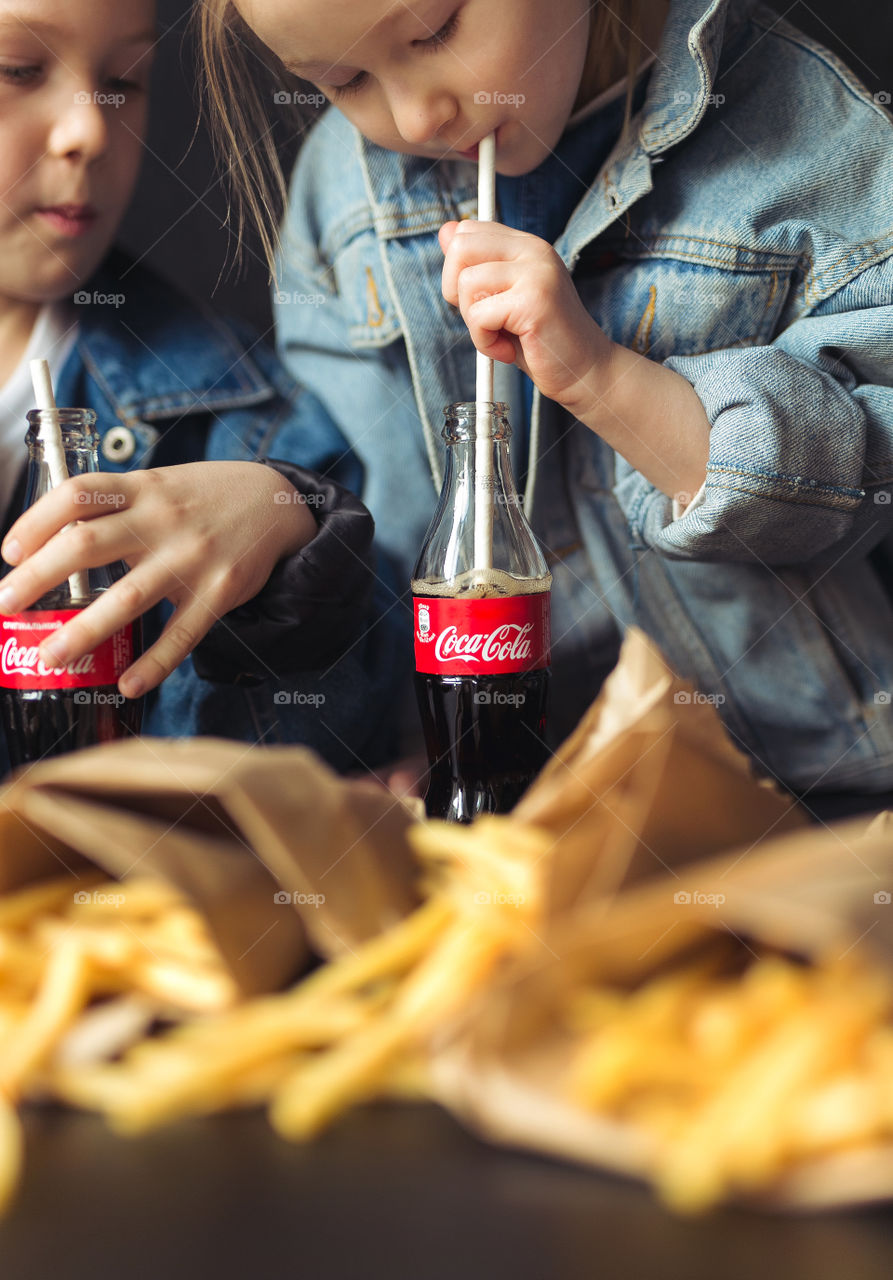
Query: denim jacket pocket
x,y
364,293
670,307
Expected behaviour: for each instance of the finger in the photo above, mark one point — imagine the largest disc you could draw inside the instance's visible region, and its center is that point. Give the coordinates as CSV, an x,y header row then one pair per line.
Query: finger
x,y
129,598
79,498
488,316
185,628
487,280
445,235
82,546
474,243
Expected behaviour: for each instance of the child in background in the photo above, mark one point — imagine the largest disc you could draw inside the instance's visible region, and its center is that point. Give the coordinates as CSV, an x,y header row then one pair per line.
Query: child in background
x,y
264,570
693,293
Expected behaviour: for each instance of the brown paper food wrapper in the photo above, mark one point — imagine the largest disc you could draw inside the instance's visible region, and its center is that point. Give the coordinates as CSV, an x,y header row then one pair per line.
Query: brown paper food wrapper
x,y
276,852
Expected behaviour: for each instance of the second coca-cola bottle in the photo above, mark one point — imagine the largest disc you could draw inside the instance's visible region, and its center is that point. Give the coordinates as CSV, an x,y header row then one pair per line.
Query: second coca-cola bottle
x,y
49,710
481,634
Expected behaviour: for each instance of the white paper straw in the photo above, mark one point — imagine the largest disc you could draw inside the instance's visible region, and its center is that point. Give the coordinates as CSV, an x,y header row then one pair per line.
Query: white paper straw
x,y
483,507
54,452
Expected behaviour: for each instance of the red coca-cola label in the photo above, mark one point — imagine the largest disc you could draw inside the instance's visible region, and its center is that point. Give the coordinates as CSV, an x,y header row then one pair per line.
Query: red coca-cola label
x,y
499,636
21,636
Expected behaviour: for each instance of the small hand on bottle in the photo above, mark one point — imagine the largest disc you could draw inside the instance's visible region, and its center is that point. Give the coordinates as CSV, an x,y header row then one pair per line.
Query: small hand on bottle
x,y
521,307
204,535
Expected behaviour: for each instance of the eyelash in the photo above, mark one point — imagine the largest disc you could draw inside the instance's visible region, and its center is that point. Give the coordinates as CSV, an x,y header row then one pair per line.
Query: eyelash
x,y
27,75
433,44
19,75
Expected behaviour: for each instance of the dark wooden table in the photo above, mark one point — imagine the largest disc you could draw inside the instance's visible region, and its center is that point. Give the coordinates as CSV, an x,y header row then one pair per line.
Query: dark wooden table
x,y
395,1192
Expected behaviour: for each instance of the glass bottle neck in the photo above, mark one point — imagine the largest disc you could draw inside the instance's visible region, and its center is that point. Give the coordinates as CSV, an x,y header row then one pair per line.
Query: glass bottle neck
x,y
80,442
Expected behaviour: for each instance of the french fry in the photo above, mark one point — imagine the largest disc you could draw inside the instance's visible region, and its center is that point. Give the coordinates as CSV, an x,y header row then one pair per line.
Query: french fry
x,y
21,907
62,995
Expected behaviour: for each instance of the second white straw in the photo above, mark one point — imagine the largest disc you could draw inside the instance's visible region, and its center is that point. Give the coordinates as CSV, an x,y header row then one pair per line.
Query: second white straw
x,y
483,506
54,453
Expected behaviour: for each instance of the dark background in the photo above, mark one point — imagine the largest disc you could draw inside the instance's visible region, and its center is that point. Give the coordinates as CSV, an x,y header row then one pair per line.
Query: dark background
x,y
176,221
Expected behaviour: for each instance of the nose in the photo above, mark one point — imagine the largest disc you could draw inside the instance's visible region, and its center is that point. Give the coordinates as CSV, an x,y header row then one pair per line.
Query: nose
x,y
420,113
79,128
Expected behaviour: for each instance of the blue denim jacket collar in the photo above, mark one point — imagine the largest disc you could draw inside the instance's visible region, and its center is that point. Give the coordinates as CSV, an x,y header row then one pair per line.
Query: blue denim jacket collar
x,y
180,363
410,197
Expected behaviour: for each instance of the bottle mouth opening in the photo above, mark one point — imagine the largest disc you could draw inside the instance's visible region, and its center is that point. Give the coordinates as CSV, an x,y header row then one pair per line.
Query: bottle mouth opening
x,y
473,419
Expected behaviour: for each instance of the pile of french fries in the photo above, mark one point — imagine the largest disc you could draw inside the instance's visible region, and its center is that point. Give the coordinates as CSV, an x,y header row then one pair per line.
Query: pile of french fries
x,y
86,966
738,1078
114,999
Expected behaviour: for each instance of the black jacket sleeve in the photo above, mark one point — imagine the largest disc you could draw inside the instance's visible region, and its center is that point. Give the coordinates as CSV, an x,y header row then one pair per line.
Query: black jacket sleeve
x,y
314,604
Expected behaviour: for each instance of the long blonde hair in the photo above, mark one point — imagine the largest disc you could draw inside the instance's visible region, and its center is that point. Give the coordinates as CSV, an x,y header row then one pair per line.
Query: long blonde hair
x,y
241,81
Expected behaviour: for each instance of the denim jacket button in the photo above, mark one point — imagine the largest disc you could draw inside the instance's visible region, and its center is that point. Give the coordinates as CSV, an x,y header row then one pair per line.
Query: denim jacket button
x,y
118,444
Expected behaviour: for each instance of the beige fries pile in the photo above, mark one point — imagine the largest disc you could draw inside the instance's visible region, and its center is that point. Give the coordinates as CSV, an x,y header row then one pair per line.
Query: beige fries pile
x,y
734,1073
738,1078
138,948
354,1029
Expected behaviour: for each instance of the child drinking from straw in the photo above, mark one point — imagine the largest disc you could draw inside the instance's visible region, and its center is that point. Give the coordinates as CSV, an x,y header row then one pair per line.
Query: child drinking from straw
x,y
690,289
266,569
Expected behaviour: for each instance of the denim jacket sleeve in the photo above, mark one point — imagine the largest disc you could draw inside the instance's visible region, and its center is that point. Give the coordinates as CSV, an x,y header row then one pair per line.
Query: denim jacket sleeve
x,y
801,441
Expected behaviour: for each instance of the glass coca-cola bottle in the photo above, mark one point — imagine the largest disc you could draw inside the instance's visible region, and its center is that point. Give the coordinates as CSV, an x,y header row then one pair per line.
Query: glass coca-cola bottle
x,y
49,710
481,633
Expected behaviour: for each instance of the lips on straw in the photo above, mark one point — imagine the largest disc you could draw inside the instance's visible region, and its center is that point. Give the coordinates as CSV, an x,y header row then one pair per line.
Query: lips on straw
x,y
54,451
483,505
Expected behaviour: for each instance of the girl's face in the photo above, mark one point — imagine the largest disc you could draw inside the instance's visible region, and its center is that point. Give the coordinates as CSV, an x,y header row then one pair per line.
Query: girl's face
x,y
433,77
73,79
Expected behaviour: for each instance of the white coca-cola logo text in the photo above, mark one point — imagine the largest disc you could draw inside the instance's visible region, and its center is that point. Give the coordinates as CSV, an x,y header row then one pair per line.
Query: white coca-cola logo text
x,y
23,660
509,642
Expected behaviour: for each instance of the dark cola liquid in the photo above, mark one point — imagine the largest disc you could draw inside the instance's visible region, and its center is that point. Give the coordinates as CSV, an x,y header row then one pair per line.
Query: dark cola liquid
x,y
485,737
40,723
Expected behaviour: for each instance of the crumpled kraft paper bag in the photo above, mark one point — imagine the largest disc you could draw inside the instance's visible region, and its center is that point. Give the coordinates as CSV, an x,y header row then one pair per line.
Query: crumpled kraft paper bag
x,y
648,781
275,850
816,893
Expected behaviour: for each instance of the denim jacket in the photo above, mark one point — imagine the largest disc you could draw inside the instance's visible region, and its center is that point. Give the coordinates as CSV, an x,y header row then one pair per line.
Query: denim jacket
x,y
311,659
741,231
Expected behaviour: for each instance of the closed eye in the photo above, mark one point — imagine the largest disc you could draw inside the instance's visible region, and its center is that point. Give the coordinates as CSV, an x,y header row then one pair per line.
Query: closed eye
x,y
432,44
